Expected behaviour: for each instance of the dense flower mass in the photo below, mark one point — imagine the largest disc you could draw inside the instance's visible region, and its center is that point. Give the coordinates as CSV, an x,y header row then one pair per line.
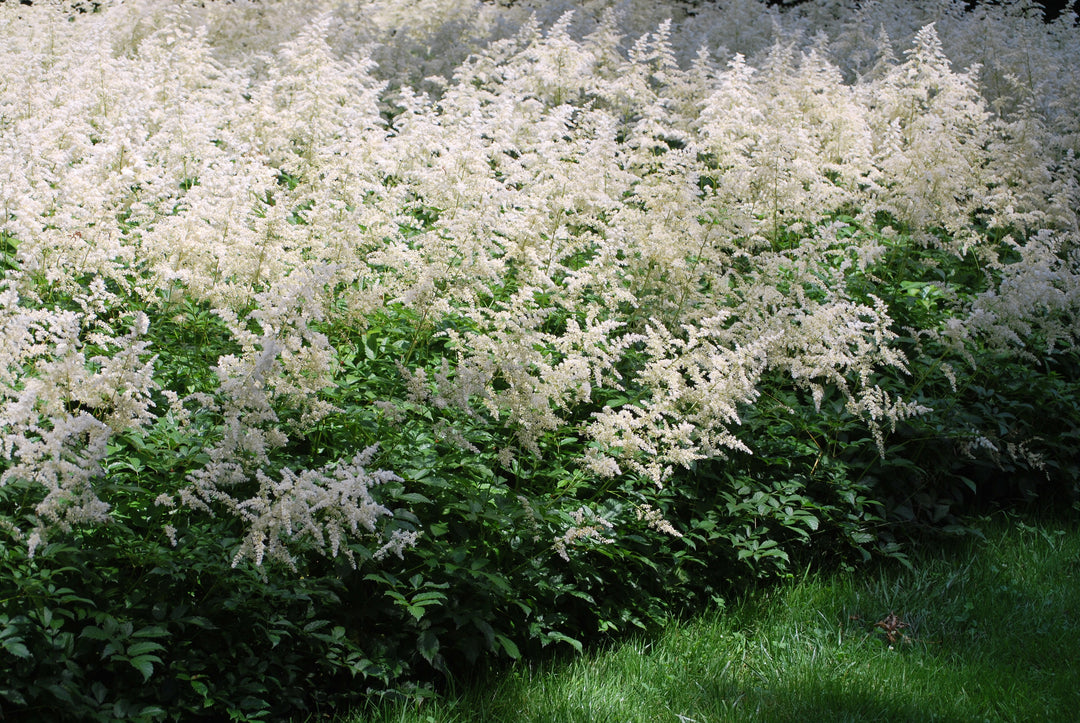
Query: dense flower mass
x,y
654,200
345,345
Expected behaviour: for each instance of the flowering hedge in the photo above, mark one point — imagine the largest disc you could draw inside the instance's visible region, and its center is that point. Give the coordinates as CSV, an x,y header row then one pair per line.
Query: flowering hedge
x,y
429,332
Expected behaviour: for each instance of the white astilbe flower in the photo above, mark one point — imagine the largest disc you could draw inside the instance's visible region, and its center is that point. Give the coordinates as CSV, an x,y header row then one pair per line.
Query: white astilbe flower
x,y
398,542
1038,298
655,519
322,508
588,526
931,130
286,365
56,422
583,200
697,389
542,373
286,359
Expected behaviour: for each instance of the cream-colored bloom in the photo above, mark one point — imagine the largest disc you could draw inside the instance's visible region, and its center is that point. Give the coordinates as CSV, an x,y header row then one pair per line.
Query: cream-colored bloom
x,y
584,203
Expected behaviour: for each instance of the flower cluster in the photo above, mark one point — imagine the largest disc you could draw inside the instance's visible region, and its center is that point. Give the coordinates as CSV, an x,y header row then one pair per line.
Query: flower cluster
x,y
657,203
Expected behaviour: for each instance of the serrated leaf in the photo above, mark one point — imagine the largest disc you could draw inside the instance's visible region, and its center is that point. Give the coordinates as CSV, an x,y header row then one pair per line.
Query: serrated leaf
x,y
428,598
60,692
143,647
17,649
145,665
200,621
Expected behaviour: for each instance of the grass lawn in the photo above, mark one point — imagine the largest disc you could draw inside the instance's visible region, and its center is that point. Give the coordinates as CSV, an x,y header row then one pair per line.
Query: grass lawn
x,y
985,629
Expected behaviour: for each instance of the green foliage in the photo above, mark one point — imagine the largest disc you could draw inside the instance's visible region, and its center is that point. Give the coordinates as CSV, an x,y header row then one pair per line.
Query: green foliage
x,y
485,584
192,638
484,579
123,623
997,426
8,249
999,439
980,629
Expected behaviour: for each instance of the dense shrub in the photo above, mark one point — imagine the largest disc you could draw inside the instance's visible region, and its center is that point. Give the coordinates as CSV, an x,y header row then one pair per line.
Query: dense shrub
x,y
349,348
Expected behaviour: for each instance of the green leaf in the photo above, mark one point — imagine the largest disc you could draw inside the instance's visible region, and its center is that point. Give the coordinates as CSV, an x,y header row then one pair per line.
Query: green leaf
x,y
509,646
560,638
17,649
428,598
154,631
94,633
145,665
141,648
428,645
200,687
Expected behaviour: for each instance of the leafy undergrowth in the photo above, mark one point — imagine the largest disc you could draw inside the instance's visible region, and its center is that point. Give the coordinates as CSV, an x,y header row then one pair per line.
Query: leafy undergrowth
x,y
983,628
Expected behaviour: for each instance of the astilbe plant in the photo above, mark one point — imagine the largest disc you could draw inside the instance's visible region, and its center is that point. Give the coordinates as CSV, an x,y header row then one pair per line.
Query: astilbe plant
x,y
511,284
